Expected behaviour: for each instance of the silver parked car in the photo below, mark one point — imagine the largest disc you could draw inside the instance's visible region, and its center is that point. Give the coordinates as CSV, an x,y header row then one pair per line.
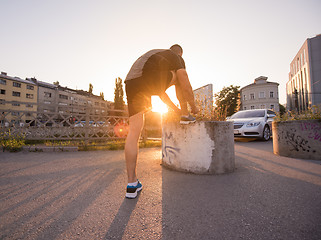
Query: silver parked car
x,y
253,123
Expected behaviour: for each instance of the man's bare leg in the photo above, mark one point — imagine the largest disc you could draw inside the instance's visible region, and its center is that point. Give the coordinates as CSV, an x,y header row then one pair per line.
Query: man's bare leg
x,y
136,124
182,101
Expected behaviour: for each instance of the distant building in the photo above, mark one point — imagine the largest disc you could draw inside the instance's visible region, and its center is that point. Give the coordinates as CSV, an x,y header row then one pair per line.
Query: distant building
x,y
303,89
19,96
57,99
260,95
19,99
204,98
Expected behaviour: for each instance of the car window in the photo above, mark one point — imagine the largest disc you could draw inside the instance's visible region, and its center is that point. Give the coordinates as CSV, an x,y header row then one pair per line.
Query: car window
x,y
249,114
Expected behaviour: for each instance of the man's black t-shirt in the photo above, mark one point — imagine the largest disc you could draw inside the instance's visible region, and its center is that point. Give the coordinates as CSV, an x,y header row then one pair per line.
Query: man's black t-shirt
x,y
153,70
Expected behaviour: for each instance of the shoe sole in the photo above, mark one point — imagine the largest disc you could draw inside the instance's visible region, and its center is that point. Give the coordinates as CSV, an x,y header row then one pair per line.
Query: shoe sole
x,y
187,122
133,195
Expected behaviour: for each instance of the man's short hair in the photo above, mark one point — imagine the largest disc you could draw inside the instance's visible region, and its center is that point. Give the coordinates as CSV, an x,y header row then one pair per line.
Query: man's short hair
x,y
176,49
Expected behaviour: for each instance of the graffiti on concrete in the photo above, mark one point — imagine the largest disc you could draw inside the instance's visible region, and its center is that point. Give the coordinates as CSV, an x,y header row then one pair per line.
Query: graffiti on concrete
x,y
313,129
295,140
168,150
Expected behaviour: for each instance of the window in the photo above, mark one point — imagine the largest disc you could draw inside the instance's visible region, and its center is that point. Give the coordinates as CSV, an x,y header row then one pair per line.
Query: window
x,y
47,94
47,102
16,104
3,82
63,96
244,97
252,96
2,102
3,91
272,106
63,104
252,107
262,95
16,94
244,108
271,94
29,96
15,84
15,113
30,87
263,106
29,105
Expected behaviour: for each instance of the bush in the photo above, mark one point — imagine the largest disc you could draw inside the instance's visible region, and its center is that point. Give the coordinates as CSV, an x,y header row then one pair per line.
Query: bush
x,y
10,142
310,114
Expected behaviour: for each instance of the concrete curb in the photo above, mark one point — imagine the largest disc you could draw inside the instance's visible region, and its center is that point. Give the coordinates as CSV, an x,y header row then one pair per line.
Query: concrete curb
x,y
49,149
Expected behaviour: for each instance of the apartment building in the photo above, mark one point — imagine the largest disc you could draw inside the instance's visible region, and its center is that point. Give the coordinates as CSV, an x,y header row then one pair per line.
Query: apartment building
x,y
54,98
260,95
20,97
303,89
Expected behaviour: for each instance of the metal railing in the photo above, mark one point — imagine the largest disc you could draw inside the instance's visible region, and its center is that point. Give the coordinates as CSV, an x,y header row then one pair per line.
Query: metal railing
x,y
64,126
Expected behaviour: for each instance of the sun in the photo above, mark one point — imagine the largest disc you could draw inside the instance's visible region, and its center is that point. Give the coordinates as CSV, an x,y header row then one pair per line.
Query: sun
x,y
158,105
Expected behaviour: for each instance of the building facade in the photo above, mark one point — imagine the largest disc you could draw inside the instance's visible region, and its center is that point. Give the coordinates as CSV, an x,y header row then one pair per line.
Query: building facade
x,y
260,95
20,97
303,89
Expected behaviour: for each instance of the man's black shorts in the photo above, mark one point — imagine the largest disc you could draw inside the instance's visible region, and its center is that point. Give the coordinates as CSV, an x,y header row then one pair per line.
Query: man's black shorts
x,y
138,99
140,90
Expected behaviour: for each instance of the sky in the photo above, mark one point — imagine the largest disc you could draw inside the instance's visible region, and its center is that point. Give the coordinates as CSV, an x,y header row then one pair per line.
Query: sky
x,y
77,42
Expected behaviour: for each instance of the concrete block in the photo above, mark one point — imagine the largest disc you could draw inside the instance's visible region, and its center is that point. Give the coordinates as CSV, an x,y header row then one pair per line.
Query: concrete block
x,y
201,147
297,139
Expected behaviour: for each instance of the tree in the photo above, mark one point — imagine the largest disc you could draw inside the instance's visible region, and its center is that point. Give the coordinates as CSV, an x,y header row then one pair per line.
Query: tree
x,y
91,87
56,83
102,95
282,109
227,100
119,94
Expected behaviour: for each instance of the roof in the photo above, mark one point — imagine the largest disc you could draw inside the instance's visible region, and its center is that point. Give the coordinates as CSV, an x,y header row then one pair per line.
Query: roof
x,y
17,79
45,84
260,84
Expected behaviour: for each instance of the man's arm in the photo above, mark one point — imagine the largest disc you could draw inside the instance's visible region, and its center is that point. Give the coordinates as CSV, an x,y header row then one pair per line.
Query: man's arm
x,y
165,98
186,88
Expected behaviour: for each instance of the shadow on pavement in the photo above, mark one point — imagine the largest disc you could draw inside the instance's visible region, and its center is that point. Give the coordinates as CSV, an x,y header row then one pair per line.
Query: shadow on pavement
x,y
120,222
251,203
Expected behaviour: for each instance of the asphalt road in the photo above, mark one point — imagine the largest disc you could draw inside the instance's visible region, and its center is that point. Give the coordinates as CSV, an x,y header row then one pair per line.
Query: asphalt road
x,y
80,195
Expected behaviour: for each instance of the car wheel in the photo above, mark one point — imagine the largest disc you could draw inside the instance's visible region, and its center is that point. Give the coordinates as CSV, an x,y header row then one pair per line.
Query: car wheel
x,y
266,133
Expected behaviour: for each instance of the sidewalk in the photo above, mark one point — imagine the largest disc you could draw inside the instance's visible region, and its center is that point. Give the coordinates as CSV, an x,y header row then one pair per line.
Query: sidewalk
x,y
80,195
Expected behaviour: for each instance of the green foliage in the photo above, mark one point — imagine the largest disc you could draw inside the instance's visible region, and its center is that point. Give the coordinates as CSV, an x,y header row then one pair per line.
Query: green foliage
x,y
102,95
10,142
91,88
119,94
60,143
310,114
227,100
282,109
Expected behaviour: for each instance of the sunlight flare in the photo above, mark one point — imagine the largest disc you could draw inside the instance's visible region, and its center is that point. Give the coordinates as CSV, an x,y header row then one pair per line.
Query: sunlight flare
x,y
158,105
